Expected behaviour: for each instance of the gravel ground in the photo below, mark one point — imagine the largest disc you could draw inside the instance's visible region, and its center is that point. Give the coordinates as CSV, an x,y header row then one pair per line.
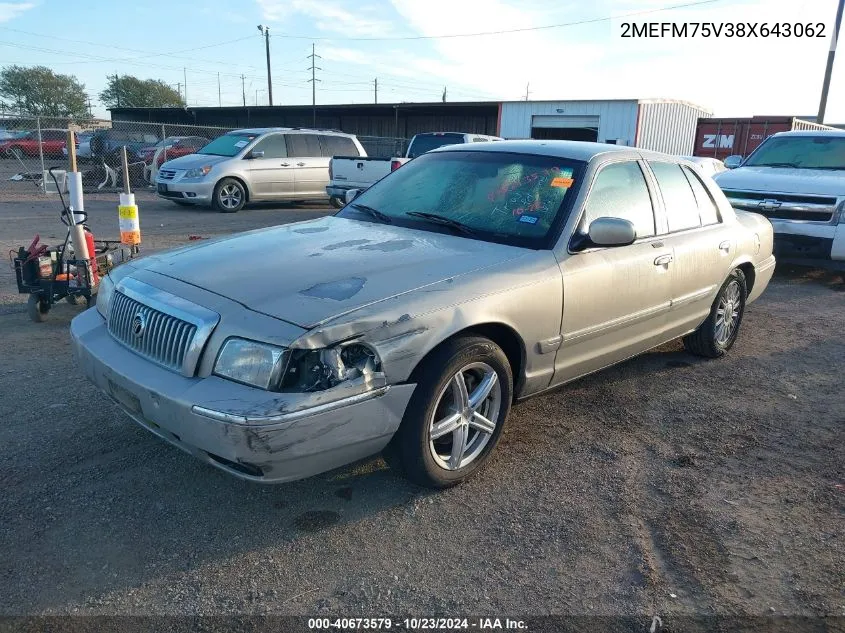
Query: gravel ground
x,y
667,485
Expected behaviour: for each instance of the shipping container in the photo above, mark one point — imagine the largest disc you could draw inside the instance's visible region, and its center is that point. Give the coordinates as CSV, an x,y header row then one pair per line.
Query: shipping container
x,y
721,137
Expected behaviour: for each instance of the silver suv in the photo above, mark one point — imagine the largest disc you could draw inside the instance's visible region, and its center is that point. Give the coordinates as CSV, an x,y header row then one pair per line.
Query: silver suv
x,y
260,164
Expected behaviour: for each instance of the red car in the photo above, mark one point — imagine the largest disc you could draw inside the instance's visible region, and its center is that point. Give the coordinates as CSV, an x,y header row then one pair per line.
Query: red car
x,y
172,147
26,145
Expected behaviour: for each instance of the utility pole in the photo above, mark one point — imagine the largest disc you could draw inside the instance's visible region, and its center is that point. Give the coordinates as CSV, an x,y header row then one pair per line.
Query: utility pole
x,y
526,90
444,94
829,69
314,57
89,105
265,31
375,86
243,90
179,88
256,96
219,100
185,76
117,88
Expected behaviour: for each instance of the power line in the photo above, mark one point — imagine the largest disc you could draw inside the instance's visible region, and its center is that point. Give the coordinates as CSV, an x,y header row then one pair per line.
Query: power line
x,y
502,32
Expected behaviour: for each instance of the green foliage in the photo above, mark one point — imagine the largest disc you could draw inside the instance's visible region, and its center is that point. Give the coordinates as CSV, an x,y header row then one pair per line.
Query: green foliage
x,y
130,92
38,90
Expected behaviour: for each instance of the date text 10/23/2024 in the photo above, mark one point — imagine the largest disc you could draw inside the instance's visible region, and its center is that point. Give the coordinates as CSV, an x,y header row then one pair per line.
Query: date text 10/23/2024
x,y
418,624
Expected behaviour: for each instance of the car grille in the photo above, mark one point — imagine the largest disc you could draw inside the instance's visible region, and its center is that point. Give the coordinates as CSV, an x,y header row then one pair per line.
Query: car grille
x,y
165,339
781,206
166,174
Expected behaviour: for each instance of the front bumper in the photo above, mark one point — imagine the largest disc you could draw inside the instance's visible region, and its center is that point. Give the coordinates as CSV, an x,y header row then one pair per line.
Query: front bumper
x,y
810,244
194,192
262,444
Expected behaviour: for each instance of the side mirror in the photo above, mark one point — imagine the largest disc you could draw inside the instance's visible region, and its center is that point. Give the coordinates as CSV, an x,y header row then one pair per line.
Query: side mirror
x,y
732,162
351,194
259,153
604,232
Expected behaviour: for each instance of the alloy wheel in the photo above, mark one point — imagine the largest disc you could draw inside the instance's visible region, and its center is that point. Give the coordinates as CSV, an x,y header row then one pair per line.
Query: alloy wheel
x,y
727,313
230,196
465,416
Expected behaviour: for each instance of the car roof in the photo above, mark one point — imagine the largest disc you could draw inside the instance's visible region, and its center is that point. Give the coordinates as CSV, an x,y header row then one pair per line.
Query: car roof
x,y
831,133
264,130
575,150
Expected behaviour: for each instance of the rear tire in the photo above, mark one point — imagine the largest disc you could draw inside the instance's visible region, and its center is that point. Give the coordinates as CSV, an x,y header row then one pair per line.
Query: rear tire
x,y
37,309
718,333
441,442
229,196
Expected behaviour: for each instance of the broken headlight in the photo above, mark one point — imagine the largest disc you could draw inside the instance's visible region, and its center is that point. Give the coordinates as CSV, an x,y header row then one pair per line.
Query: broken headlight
x,y
321,369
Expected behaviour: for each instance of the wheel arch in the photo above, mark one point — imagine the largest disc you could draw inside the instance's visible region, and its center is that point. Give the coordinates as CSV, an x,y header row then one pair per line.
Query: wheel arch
x,y
747,268
500,333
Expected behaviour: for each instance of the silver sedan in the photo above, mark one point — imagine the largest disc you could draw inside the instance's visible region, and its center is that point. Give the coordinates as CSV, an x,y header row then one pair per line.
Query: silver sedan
x,y
471,278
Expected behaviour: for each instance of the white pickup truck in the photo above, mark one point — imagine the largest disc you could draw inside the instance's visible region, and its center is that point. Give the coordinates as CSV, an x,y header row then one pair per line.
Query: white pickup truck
x,y
354,172
797,180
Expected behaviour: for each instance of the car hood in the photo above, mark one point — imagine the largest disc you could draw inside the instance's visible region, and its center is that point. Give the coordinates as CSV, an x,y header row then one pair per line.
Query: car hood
x,y
820,182
310,272
192,161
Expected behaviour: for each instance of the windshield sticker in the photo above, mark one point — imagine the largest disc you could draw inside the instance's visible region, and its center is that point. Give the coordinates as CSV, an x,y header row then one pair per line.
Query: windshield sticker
x,y
528,219
241,143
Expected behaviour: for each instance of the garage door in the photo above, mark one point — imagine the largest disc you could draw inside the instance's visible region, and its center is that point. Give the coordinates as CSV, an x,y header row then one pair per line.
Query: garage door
x,y
565,128
564,121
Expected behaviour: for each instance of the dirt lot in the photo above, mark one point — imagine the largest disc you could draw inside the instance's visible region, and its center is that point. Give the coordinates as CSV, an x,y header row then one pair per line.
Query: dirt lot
x,y
665,486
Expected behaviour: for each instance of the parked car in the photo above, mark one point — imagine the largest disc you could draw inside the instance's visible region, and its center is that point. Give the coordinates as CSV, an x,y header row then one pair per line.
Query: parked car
x,y
408,323
26,144
83,145
353,172
260,164
172,147
797,180
710,166
106,144
5,134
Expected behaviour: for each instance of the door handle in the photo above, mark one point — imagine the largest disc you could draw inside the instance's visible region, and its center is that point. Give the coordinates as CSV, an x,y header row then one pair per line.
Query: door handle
x,y
300,164
725,246
285,164
663,260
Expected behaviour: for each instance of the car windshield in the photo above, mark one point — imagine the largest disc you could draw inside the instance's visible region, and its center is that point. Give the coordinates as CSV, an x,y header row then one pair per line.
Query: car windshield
x,y
803,152
517,199
227,145
423,143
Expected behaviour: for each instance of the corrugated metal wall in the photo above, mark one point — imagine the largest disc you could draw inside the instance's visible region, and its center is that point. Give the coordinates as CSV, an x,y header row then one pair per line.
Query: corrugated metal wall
x,y
617,119
668,126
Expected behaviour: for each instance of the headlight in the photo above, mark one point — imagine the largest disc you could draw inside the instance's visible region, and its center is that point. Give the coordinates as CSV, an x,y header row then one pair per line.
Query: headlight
x,y
250,362
104,294
842,212
199,172
321,369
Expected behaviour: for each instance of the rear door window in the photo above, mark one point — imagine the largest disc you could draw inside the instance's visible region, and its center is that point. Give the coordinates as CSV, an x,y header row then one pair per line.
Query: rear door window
x,y
707,209
303,146
681,205
620,191
338,146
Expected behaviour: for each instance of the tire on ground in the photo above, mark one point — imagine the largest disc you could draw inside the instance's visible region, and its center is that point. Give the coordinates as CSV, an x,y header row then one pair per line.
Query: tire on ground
x,y
703,342
221,189
409,450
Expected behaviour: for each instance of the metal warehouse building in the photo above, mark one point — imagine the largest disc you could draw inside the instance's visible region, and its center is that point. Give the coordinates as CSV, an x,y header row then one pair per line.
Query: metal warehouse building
x,y
661,125
655,124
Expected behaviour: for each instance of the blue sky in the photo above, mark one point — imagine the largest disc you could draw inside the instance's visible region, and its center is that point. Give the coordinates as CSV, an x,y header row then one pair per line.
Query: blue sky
x,y
157,39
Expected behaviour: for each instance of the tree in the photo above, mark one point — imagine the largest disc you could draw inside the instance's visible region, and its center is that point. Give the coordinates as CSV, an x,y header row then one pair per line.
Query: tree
x,y
130,92
38,90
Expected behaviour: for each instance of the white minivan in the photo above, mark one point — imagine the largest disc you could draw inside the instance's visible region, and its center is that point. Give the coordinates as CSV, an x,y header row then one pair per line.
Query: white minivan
x,y
256,165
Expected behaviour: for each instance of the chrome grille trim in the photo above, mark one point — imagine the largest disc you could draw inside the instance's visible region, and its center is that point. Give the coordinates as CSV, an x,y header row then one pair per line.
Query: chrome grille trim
x,y
786,206
166,174
176,330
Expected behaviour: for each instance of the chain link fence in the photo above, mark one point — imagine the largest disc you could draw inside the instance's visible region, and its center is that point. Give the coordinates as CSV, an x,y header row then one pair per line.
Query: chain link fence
x,y
30,146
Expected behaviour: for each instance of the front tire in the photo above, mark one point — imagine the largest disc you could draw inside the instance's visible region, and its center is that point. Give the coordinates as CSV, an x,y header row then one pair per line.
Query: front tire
x,y
229,196
456,416
718,333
